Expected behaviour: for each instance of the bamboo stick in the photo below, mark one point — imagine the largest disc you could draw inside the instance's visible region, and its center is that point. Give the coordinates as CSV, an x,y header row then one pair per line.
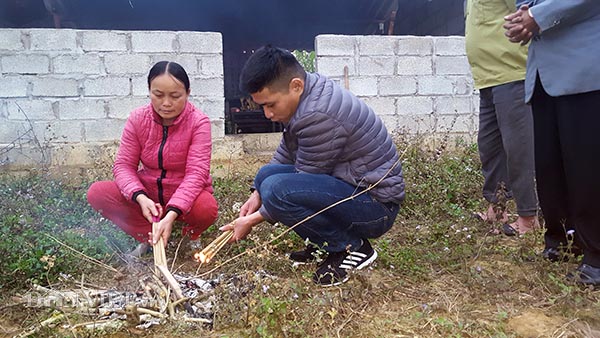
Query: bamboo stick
x,y
160,263
171,281
211,250
160,258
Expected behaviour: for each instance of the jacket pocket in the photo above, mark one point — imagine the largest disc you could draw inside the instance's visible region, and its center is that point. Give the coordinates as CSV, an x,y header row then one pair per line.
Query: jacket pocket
x,y
484,11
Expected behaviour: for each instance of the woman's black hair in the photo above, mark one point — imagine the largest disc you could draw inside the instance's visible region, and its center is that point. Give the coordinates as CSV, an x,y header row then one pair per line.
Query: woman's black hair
x,y
173,68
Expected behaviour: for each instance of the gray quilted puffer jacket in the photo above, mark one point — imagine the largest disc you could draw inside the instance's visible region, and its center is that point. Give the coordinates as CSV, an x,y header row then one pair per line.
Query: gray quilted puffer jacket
x,y
335,133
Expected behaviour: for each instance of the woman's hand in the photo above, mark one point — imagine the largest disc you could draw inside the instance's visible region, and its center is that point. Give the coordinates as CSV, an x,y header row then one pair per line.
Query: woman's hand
x,y
251,205
242,226
164,228
149,207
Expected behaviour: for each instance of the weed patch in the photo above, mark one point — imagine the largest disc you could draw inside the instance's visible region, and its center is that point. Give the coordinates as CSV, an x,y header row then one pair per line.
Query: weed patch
x,y
36,206
440,272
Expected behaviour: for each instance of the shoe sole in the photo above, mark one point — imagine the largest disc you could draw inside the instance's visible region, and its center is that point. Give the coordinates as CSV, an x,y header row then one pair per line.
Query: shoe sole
x,y
336,283
368,261
297,264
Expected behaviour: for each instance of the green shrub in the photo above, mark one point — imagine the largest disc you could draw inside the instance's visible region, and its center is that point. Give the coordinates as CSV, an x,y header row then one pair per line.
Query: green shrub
x,y
306,59
441,186
36,207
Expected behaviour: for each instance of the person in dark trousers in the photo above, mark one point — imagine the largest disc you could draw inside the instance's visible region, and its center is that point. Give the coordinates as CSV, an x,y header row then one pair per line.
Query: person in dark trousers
x,y
505,137
333,147
562,84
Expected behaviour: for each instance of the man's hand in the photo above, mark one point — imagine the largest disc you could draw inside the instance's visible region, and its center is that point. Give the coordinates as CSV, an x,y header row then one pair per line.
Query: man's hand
x,y
164,228
520,26
149,207
242,226
251,205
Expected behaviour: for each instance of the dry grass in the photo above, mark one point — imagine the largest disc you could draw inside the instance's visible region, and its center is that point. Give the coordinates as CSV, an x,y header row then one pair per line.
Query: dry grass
x,y
440,273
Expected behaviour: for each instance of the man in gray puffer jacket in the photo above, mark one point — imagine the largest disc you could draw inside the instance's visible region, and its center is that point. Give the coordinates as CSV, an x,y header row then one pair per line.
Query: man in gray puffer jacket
x,y
333,147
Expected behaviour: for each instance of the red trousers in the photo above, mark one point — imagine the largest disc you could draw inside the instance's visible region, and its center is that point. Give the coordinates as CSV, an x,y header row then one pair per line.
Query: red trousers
x,y
105,197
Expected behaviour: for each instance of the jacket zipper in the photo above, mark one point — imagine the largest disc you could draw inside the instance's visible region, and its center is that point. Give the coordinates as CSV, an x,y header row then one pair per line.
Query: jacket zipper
x,y
163,174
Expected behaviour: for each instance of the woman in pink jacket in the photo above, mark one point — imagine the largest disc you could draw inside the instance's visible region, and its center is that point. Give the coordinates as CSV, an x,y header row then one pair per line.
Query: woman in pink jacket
x,y
162,166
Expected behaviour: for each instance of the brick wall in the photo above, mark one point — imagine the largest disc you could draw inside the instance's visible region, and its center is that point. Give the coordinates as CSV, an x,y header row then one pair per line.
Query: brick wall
x,y
77,88
64,93
415,84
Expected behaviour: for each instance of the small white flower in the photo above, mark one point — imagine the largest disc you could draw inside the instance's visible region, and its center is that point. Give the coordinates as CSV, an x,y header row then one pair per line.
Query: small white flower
x,y
236,206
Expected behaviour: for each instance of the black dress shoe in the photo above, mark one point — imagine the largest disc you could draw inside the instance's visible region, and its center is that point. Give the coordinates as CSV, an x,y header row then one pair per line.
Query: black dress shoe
x,y
561,255
586,275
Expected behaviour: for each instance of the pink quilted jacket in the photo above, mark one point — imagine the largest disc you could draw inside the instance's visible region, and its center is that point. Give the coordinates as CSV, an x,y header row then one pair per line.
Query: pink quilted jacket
x,y
170,164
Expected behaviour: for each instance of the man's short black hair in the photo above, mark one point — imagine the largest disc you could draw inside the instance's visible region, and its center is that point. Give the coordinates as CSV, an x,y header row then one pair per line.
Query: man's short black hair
x,y
270,66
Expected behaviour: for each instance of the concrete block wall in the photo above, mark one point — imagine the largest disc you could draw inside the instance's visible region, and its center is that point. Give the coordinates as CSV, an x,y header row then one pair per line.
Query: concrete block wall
x,y
415,84
64,93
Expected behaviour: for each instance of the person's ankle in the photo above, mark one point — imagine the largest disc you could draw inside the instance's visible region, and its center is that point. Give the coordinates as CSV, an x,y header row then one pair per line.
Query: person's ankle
x,y
526,223
528,220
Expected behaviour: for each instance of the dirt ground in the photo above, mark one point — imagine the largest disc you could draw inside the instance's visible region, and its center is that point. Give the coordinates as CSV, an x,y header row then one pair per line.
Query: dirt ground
x,y
503,290
436,276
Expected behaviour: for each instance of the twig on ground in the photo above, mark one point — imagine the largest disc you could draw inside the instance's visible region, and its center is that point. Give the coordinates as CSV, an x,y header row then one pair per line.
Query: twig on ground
x,y
100,324
171,281
349,319
21,302
92,323
83,285
481,246
52,320
145,311
86,257
201,320
176,252
161,291
150,312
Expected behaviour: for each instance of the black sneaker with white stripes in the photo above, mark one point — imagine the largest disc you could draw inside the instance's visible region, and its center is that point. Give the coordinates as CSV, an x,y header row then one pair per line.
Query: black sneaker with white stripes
x,y
308,255
334,270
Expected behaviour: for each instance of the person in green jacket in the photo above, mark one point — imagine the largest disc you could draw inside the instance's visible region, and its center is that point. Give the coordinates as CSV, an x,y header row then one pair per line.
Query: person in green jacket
x,y
505,137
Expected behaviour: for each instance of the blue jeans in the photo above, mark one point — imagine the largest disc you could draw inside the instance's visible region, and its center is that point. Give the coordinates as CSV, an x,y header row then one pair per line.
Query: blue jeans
x,y
289,197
